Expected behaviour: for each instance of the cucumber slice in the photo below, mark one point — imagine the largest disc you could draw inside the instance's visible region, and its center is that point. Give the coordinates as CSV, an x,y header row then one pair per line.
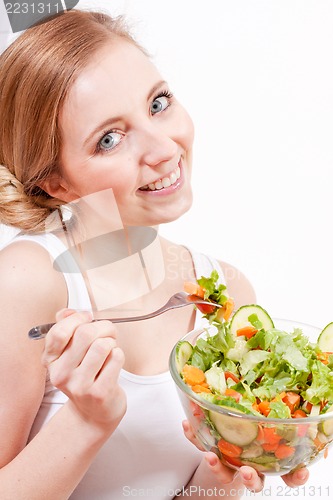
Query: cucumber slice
x,y
183,353
234,430
327,425
241,318
325,339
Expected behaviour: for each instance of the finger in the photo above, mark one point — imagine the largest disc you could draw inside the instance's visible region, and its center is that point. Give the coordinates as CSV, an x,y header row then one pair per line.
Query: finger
x,y
94,360
251,479
61,333
188,431
83,338
109,374
297,478
225,474
64,313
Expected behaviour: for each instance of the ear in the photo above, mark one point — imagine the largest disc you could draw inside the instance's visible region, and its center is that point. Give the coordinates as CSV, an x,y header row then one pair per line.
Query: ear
x,y
57,187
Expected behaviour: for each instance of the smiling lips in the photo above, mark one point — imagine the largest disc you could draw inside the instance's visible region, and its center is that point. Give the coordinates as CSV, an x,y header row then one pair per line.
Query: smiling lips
x,y
165,182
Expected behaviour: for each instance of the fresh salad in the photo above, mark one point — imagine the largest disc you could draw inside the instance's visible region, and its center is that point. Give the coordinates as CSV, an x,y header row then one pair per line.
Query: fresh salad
x,y
250,367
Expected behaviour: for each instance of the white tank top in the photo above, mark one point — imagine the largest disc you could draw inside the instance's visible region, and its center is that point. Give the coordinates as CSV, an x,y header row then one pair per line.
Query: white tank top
x,y
147,456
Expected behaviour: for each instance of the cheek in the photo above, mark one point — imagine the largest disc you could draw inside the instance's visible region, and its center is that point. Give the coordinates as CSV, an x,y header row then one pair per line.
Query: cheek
x,y
185,130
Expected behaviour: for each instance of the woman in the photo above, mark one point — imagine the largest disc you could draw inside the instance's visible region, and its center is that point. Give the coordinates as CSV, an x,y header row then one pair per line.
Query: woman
x,y
85,113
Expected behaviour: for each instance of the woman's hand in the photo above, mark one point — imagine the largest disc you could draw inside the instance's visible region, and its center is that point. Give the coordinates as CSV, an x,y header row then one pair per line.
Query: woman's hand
x,y
211,472
84,362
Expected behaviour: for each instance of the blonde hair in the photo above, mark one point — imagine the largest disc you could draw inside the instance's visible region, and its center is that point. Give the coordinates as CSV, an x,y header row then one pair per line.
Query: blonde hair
x,y
36,73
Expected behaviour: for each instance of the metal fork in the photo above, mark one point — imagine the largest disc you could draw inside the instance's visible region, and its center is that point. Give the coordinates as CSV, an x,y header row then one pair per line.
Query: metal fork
x,y
177,300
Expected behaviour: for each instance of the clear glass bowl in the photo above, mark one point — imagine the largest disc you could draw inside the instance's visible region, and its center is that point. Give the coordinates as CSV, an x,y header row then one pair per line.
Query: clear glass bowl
x,y
308,438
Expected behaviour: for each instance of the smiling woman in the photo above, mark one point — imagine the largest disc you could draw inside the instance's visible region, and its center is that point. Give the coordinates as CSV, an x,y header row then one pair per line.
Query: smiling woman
x,y
141,136
34,94
89,124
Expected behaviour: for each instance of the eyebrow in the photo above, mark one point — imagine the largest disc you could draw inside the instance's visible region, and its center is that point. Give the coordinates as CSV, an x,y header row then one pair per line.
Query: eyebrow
x,y
109,121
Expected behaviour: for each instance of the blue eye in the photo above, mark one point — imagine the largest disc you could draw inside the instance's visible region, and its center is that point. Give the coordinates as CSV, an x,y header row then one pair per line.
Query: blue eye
x,y
109,141
160,103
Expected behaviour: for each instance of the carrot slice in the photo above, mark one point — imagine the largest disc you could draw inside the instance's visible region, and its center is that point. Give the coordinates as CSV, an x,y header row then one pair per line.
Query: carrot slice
x,y
318,444
228,308
324,357
194,289
284,451
200,388
247,331
264,408
193,375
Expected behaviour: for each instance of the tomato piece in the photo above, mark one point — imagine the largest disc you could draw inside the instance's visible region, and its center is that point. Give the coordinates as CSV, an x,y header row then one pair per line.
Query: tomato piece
x,y
233,460
271,436
302,430
194,289
232,376
299,414
206,308
292,400
270,447
234,394
308,407
229,449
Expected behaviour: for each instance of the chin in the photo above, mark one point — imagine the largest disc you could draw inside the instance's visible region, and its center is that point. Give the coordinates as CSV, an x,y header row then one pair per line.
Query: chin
x,y
175,212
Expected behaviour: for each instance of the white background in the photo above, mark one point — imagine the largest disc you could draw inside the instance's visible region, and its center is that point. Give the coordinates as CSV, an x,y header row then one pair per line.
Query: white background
x,y
257,79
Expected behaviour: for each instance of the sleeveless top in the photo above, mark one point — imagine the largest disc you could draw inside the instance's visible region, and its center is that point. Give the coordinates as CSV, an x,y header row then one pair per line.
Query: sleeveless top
x,y
148,455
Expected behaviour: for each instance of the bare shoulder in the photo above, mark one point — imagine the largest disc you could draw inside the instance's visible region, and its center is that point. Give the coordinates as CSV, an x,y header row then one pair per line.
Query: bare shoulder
x,y
239,287
31,292
27,275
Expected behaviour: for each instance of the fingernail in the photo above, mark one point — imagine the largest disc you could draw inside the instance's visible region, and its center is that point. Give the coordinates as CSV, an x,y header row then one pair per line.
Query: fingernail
x,y
212,461
247,475
302,474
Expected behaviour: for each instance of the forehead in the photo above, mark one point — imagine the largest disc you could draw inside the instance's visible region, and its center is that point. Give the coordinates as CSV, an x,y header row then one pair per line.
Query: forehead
x,y
119,76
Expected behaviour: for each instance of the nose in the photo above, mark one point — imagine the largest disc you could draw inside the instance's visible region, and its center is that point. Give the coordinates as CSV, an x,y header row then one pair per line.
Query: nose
x,y
156,145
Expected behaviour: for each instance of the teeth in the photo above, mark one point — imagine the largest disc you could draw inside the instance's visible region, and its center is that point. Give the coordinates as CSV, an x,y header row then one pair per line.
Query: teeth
x,y
164,182
173,178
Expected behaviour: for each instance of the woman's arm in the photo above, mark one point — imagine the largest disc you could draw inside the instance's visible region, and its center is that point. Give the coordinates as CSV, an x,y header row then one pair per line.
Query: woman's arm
x,y
54,461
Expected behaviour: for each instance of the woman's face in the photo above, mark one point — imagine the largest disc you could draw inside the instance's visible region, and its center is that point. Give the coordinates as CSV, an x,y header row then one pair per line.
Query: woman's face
x,y
121,128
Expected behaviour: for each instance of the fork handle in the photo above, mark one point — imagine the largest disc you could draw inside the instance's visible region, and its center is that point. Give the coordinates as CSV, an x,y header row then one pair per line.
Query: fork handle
x,y
40,331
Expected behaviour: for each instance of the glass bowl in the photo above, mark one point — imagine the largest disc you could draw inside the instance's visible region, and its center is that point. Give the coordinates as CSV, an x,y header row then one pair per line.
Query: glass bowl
x,y
241,439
